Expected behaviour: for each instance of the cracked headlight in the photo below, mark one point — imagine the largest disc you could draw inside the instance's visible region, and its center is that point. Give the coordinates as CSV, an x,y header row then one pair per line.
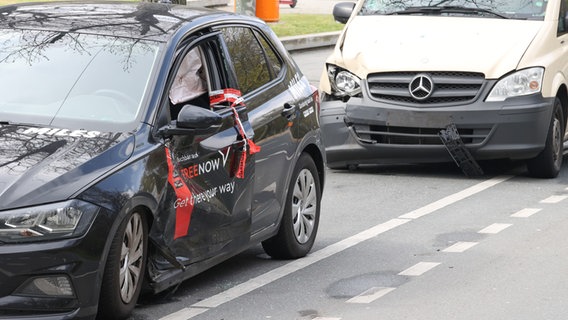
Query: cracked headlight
x,y
343,82
520,83
46,222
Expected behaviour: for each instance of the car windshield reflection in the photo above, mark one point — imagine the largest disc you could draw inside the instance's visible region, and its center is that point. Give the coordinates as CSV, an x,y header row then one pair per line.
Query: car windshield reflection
x,y
58,78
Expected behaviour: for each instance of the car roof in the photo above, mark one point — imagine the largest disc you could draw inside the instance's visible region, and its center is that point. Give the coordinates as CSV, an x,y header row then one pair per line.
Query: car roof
x,y
139,20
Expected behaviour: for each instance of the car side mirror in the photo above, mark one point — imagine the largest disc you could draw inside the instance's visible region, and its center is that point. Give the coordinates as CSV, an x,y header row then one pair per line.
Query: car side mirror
x,y
193,120
342,11
194,117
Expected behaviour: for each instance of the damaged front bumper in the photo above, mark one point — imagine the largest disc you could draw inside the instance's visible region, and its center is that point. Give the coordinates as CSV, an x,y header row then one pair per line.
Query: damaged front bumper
x,y
361,131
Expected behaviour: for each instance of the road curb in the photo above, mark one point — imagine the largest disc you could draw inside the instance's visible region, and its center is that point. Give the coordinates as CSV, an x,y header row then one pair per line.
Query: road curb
x,y
324,39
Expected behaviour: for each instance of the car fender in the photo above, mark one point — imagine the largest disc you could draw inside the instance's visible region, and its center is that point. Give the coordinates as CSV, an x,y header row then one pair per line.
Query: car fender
x,y
311,144
558,80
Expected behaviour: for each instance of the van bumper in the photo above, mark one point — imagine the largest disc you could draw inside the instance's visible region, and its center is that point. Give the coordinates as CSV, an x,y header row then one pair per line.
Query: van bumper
x,y
361,131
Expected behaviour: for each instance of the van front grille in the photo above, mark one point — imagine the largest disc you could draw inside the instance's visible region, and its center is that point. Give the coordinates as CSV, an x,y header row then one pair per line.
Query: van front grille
x,y
448,88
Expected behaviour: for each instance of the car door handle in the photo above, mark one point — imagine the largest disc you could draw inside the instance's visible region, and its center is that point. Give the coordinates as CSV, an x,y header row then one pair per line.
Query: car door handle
x,y
289,110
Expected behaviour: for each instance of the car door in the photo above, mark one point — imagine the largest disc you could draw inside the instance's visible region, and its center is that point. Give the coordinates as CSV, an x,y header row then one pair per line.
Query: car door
x,y
263,79
206,209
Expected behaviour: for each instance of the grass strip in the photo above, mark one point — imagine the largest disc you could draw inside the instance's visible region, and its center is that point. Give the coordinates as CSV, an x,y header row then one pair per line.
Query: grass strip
x,y
294,24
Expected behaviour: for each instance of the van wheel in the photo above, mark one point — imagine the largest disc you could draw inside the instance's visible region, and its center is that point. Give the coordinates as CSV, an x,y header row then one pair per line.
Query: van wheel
x,y
548,163
299,224
124,269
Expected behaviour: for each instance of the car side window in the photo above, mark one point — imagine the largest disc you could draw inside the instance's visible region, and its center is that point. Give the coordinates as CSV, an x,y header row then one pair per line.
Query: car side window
x,y
198,72
275,62
189,85
562,28
251,63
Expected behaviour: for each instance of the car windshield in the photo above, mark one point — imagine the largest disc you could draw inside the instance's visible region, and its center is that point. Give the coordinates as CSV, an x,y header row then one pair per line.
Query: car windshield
x,y
510,9
73,80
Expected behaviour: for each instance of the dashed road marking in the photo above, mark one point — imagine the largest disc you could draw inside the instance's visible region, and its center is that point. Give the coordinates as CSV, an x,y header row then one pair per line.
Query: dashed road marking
x,y
495,228
371,295
460,247
525,213
554,199
185,313
419,269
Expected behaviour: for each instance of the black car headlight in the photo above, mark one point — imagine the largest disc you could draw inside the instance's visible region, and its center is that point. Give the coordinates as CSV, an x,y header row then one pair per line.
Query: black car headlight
x,y
46,222
343,82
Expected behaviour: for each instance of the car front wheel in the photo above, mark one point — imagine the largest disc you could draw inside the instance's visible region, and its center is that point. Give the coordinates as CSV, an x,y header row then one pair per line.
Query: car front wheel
x,y
299,224
124,269
548,163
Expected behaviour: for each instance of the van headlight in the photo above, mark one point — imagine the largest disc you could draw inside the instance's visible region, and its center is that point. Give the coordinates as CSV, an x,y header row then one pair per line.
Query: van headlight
x,y
46,222
520,83
343,82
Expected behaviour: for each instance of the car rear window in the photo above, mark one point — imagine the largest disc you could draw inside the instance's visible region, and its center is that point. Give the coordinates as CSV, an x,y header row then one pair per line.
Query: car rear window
x,y
54,78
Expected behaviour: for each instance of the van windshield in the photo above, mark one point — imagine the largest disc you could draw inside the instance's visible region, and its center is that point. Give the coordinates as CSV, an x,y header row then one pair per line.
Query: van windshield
x,y
509,9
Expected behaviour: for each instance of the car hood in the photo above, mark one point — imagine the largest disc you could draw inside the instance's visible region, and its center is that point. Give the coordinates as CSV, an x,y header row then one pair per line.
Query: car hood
x,y
41,165
410,43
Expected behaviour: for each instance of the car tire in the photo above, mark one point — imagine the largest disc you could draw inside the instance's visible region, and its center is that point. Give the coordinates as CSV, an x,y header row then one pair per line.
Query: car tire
x,y
293,4
549,161
124,269
299,224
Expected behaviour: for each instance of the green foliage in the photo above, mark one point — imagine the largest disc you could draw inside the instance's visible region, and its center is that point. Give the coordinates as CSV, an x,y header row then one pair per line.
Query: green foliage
x,y
294,24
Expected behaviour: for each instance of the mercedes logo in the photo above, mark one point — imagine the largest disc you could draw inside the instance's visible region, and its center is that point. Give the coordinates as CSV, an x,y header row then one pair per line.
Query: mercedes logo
x,y
421,87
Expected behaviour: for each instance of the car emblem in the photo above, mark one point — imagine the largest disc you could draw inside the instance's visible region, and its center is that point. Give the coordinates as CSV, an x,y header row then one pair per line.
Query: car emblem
x,y
421,87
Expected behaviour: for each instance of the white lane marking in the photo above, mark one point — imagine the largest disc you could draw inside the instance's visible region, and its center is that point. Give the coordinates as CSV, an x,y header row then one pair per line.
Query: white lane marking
x,y
553,199
495,228
185,313
273,275
454,198
419,269
525,213
325,318
460,247
370,295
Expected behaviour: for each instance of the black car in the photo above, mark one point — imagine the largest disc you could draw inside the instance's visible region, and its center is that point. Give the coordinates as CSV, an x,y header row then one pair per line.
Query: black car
x,y
140,144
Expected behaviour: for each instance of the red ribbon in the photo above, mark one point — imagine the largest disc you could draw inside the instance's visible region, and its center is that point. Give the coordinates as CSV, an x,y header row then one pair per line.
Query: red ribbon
x,y
233,96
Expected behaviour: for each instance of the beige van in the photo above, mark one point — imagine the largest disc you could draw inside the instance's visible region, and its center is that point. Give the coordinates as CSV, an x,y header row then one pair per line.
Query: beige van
x,y
414,81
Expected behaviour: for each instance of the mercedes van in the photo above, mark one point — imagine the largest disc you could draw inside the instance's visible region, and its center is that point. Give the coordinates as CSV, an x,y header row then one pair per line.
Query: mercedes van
x,y
415,81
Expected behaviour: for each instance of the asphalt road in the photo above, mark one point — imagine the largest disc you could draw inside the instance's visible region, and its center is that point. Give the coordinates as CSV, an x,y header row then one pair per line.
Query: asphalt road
x,y
312,62
402,242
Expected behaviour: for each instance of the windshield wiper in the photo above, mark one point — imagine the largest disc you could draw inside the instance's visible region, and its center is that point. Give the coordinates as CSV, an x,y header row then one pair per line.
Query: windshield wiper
x,y
448,9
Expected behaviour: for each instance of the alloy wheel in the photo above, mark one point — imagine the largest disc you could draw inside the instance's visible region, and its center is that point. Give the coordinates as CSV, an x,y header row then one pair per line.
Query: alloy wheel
x,y
304,206
131,258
